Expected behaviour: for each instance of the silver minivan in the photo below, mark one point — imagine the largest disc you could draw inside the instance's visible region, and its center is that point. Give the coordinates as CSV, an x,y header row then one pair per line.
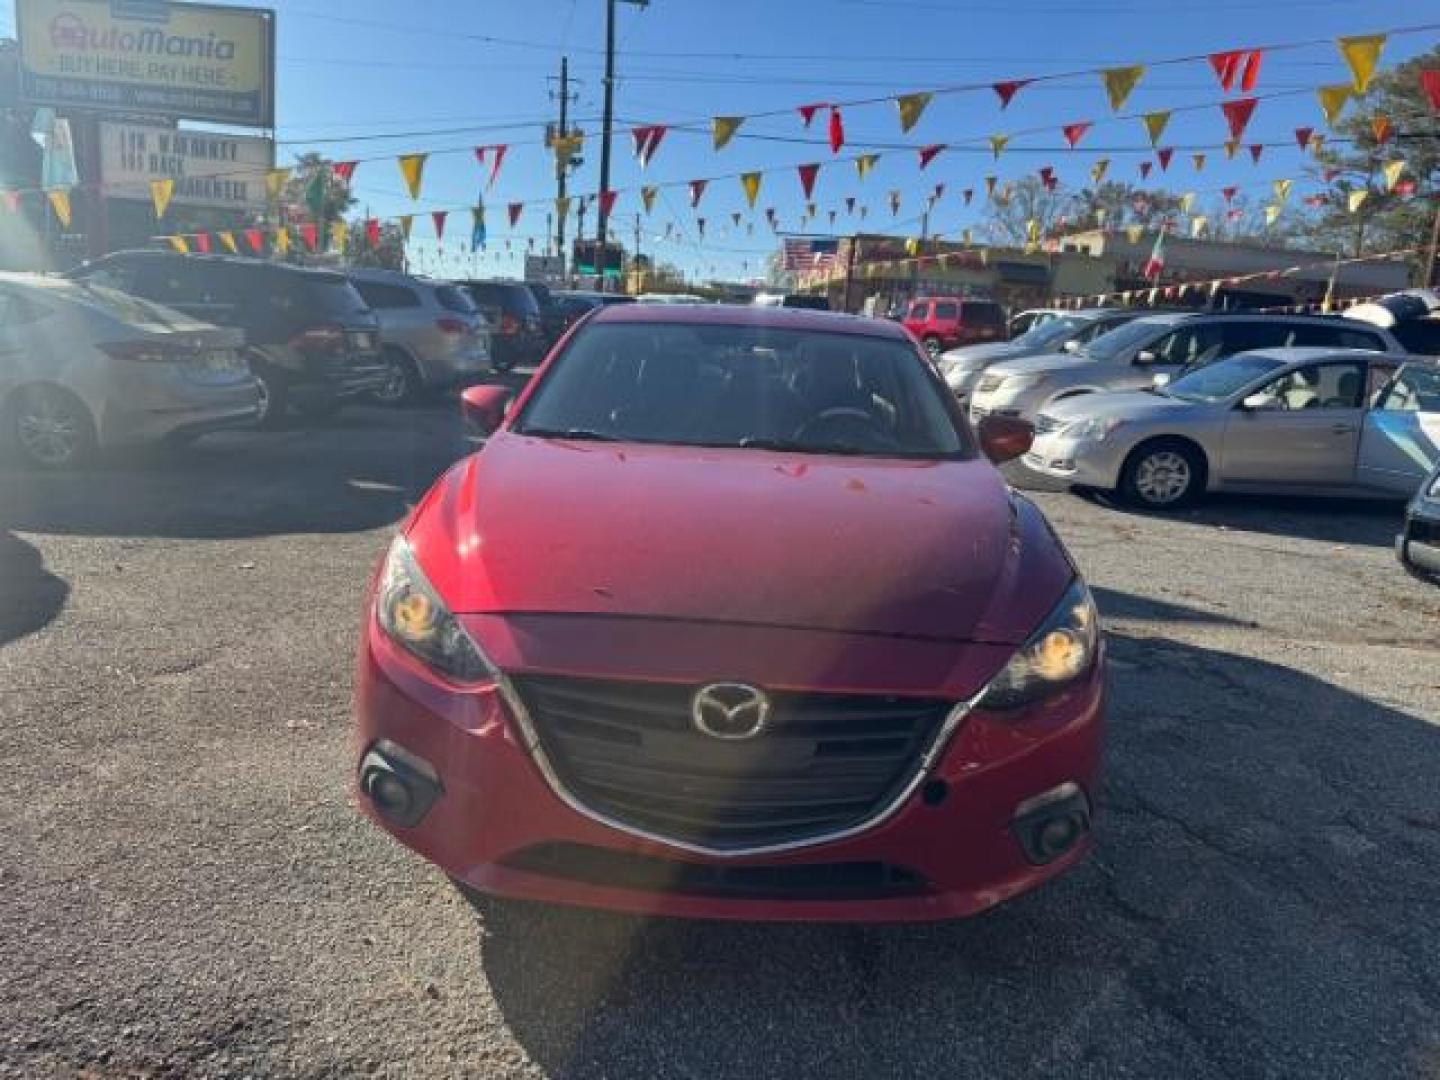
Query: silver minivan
x,y
1129,358
83,367
432,334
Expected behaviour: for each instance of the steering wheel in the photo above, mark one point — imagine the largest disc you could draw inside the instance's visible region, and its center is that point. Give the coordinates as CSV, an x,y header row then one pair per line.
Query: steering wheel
x,y
839,426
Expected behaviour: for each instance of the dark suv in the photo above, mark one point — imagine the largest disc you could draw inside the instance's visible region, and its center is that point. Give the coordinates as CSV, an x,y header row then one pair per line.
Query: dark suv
x,y
516,325
310,340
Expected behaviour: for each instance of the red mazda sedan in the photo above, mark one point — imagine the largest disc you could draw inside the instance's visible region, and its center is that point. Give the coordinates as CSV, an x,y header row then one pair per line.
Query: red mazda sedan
x,y
732,618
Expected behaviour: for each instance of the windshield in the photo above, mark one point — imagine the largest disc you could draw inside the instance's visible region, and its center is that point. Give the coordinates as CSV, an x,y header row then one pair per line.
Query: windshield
x,y
1219,381
742,386
1123,339
1051,332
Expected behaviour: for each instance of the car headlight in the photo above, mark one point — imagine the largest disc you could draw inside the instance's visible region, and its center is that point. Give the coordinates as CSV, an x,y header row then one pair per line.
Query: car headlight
x,y
1058,653
1095,428
1021,382
413,616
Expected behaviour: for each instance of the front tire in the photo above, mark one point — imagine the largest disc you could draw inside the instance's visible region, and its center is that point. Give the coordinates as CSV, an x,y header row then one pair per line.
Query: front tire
x,y
932,346
50,428
274,398
402,381
1163,474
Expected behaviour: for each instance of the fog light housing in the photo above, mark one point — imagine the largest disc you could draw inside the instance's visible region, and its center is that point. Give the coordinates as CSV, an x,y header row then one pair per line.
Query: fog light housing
x,y
1052,823
401,785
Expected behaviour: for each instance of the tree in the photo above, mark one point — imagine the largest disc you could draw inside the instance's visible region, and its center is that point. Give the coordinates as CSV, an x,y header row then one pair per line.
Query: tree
x,y
1116,204
388,255
1012,210
1386,221
314,193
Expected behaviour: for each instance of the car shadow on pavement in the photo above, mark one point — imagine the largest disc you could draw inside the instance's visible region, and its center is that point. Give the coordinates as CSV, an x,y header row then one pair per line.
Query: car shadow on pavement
x,y
1262,903
360,470
30,596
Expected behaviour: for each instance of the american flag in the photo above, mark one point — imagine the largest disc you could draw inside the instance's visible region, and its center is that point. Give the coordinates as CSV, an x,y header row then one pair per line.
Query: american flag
x,y
805,254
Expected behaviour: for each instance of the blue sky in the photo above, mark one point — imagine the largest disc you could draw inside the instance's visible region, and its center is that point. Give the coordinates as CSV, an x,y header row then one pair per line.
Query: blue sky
x,y
446,75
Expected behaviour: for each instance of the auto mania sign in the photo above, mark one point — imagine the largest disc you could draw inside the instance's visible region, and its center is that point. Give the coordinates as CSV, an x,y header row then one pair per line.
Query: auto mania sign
x,y
149,57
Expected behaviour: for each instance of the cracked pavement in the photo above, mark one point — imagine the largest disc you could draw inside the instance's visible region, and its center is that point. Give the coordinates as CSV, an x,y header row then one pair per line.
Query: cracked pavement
x,y
189,893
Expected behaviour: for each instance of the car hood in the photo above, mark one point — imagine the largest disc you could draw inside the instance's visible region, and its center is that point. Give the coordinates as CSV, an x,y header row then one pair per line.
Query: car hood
x,y
977,356
1129,405
870,546
1038,365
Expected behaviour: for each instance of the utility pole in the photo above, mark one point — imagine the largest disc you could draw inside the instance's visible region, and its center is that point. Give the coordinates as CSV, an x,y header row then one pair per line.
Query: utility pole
x,y
607,123
915,259
579,231
640,281
563,161
849,272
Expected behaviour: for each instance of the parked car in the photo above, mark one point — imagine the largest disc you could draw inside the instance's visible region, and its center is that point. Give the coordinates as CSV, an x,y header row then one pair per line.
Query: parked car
x,y
945,322
431,333
963,367
1028,320
552,316
1418,544
671,298
85,368
310,340
1309,421
708,726
1130,356
574,304
516,326
793,300
1412,316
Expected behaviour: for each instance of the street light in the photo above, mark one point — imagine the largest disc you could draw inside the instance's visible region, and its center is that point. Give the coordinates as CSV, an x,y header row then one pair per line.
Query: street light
x,y
602,217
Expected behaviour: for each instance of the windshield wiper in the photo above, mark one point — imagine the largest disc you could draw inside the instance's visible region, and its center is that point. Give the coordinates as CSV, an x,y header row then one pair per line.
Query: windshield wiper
x,y
793,446
576,434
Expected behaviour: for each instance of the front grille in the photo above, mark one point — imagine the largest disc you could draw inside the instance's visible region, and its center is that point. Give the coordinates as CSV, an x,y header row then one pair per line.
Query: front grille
x,y
989,384
1044,425
802,881
824,762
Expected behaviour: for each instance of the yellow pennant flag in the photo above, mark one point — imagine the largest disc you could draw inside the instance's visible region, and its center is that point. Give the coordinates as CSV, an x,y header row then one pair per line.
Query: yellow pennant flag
x,y
160,193
1099,169
282,240
1232,147
1032,230
1187,201
412,168
723,129
911,107
228,240
750,181
1362,54
647,197
1119,82
275,183
1197,225
1155,124
1357,199
864,163
1282,191
1199,160
407,222
1134,233
1271,213
1332,100
997,145
1392,171
339,236
180,244
60,203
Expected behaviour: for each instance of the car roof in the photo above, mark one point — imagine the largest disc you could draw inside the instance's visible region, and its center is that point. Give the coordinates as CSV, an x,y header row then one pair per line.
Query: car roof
x,y
1303,354
33,280
777,318
243,261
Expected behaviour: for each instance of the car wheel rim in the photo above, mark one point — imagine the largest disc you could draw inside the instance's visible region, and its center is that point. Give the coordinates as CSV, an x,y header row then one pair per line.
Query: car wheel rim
x,y
393,389
1162,477
48,429
263,404
933,348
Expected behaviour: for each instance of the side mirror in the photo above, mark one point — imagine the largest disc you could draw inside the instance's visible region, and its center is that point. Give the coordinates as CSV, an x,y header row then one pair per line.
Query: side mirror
x,y
1005,438
1145,356
1070,346
1161,380
483,408
1260,403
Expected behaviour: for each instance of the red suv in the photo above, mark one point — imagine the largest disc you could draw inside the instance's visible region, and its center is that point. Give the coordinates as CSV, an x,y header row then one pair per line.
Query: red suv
x,y
947,322
731,618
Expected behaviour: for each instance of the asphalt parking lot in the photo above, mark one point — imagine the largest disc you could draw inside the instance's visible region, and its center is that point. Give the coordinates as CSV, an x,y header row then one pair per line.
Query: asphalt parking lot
x,y
189,892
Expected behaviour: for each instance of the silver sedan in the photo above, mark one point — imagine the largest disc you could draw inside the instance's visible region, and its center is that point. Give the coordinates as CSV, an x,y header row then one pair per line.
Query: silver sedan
x,y
1297,421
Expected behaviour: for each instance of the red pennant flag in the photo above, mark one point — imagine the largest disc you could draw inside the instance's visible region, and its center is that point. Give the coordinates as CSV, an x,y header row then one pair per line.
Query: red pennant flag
x,y
1145,167
438,217
1075,132
345,170
514,210
1302,136
1164,155
1252,71
807,177
697,189
499,149
256,239
1235,215
850,204
1008,90
1330,174
607,202
807,113
310,234
202,243
372,232
837,130
1238,113
1255,151
1430,83
1047,175
1405,188
928,153
1230,193
967,195
1315,200
1227,66
647,141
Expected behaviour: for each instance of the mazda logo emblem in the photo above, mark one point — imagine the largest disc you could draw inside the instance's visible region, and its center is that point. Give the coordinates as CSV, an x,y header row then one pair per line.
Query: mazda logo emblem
x,y
730,711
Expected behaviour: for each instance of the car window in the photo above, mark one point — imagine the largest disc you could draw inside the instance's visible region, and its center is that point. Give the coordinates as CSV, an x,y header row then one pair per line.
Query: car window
x,y
1118,342
381,295
1318,386
918,311
334,296
455,299
1219,381
1414,389
946,311
172,281
1419,336
131,309
1051,333
114,273
745,386
1248,335
1337,335
1189,346
983,314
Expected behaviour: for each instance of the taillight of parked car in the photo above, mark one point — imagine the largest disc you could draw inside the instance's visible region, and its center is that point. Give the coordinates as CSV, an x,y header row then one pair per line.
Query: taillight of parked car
x,y
320,339
452,326
204,361
509,324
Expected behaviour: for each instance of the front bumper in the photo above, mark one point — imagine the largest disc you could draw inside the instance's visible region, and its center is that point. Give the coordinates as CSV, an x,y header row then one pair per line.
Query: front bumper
x,y
1023,404
497,826
159,401
1418,544
1083,462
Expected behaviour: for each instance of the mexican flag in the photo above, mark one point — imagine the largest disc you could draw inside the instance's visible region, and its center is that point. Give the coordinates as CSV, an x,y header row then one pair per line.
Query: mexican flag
x,y
1156,264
